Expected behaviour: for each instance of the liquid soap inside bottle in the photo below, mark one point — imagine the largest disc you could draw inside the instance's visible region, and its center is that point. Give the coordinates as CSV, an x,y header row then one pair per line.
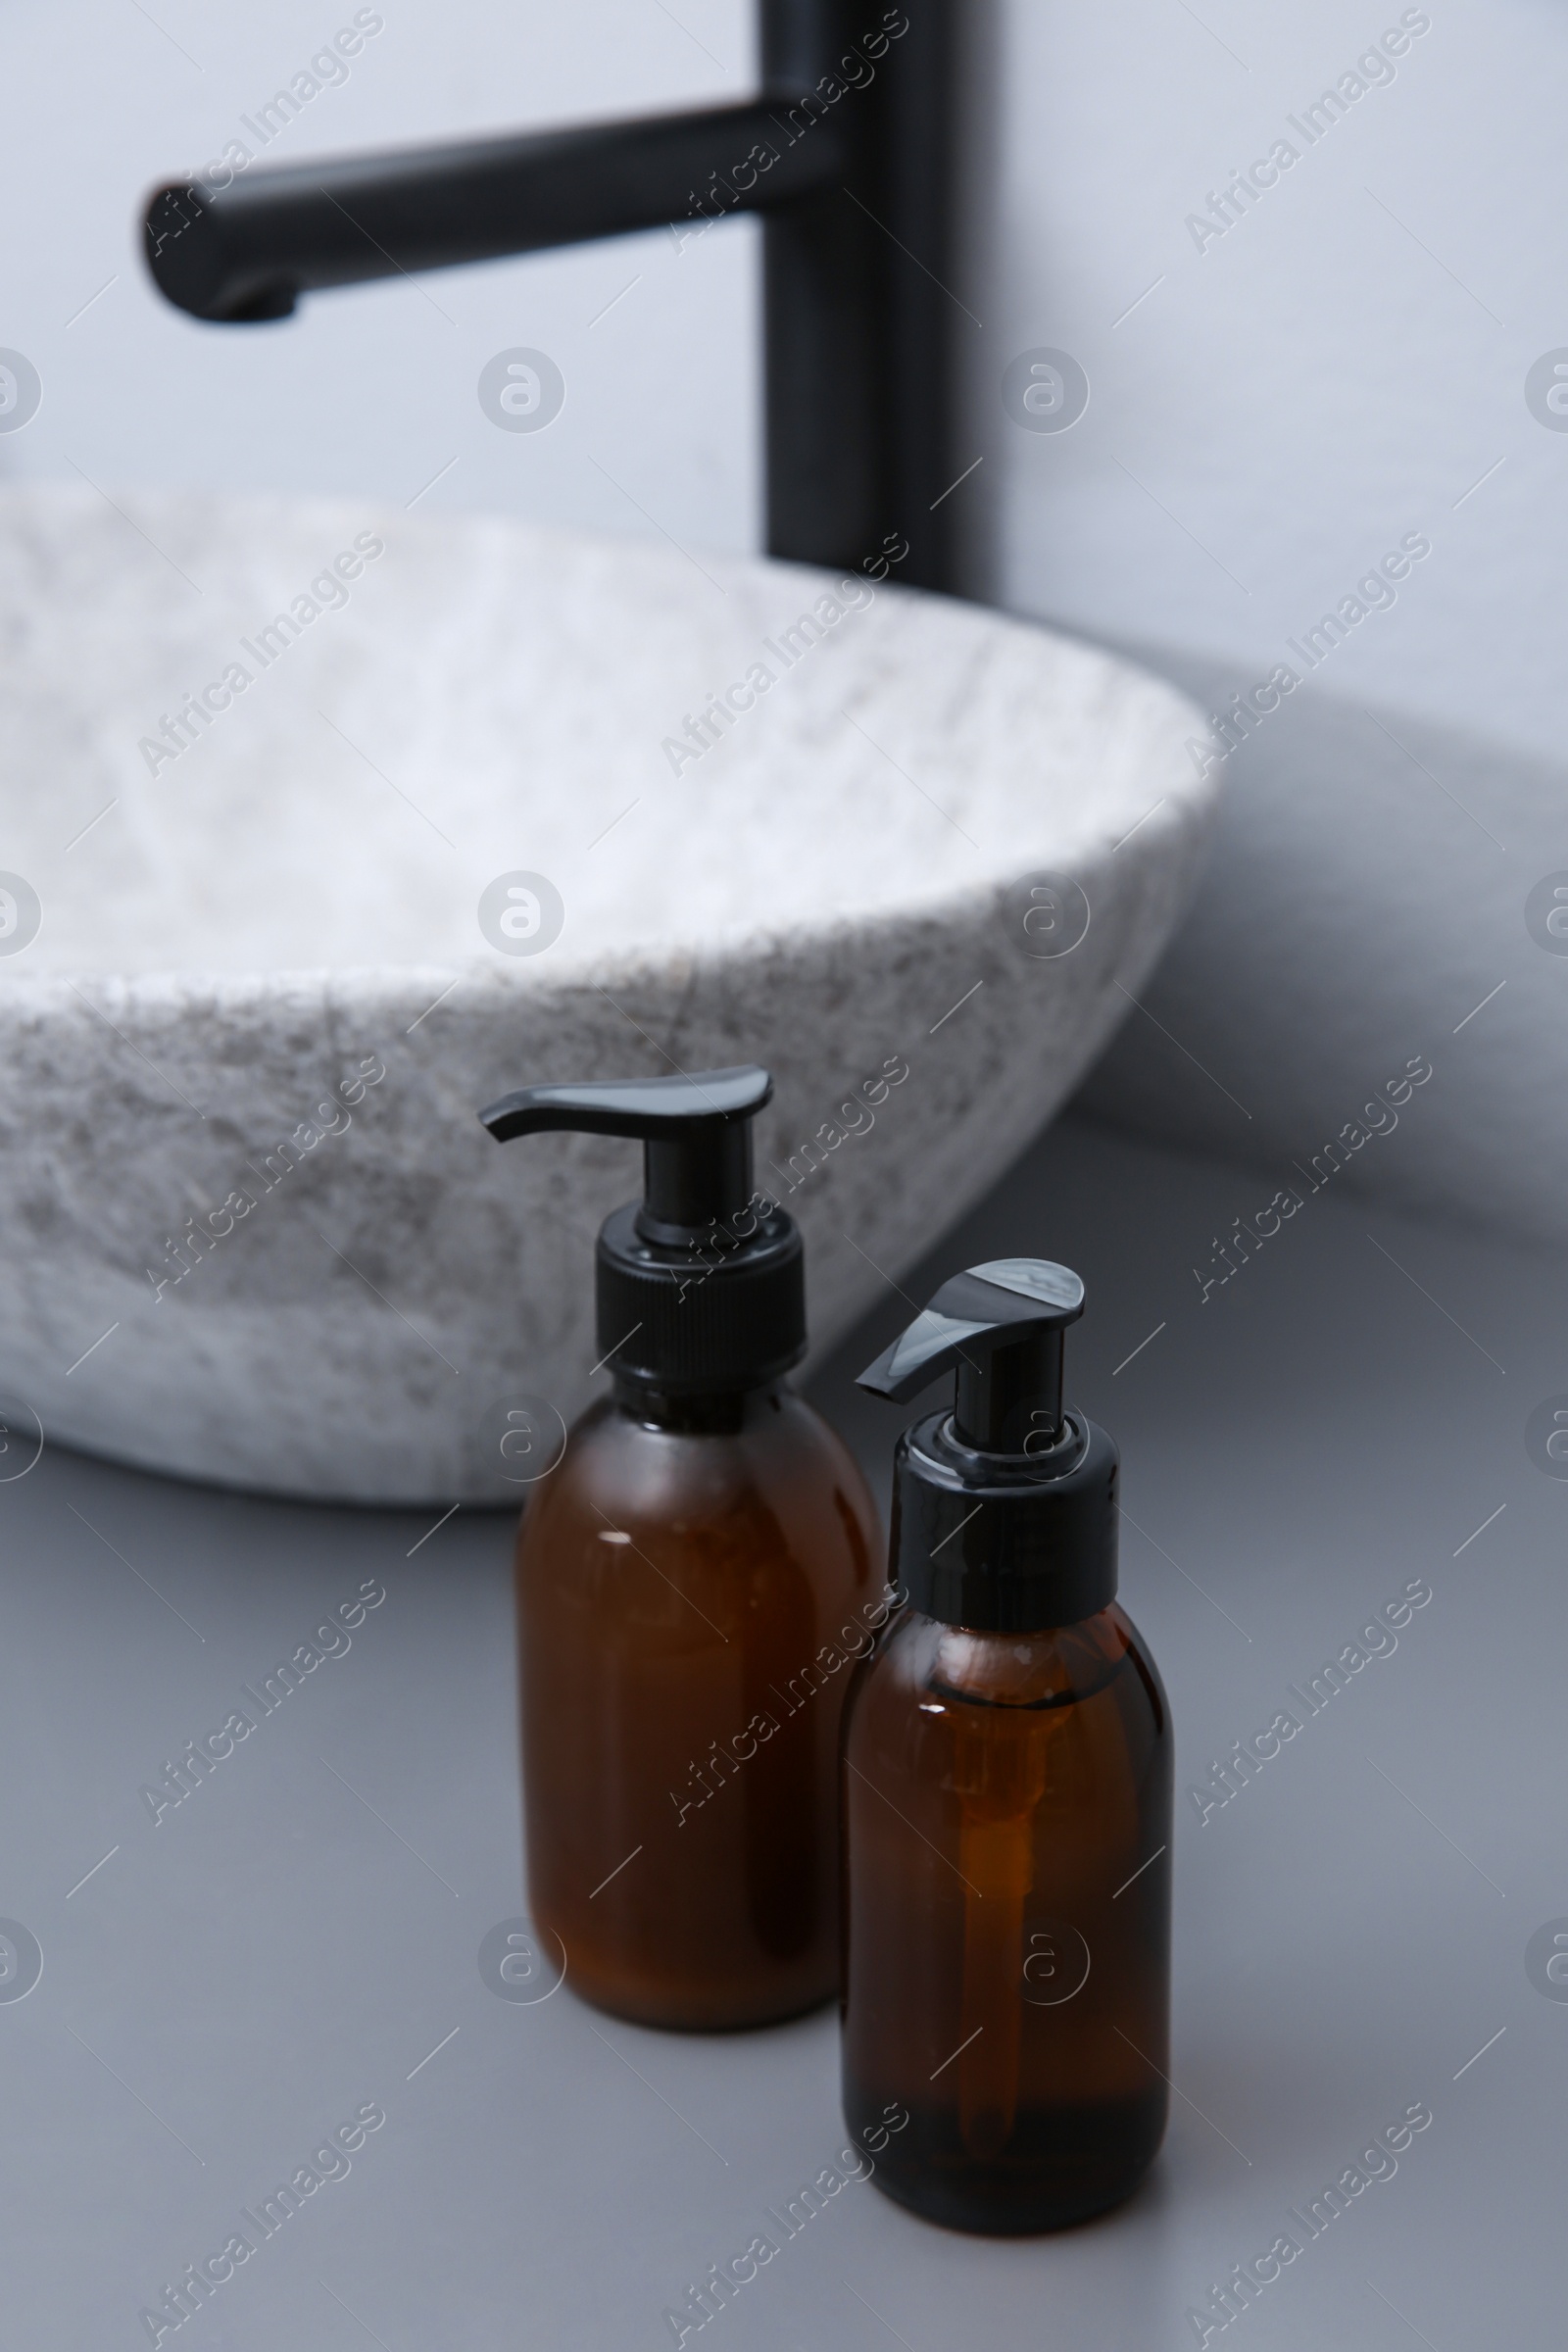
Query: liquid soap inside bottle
x,y
694,1584
1004,1980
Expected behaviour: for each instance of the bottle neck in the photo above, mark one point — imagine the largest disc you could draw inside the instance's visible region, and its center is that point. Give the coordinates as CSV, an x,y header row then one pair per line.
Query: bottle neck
x,y
705,1416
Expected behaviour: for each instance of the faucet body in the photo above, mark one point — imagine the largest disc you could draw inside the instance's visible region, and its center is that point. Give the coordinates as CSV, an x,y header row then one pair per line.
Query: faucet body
x,y
846,155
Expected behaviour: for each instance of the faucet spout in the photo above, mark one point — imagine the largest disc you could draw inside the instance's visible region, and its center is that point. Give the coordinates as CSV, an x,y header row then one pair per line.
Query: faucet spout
x,y
847,154
247,252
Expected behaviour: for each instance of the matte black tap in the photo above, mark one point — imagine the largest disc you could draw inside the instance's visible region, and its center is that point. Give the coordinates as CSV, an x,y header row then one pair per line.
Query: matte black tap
x,y
847,154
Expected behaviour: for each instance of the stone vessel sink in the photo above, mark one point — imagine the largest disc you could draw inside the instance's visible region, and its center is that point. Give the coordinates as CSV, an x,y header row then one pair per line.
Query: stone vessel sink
x,y
323,825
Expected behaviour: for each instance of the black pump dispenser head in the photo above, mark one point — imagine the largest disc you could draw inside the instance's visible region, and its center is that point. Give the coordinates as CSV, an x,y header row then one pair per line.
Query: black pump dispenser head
x,y
1000,1327
700,1286
1004,1508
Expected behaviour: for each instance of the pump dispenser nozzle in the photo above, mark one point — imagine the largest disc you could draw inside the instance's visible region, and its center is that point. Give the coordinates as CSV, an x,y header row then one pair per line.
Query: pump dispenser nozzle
x,y
1000,1327
670,1317
1004,1508
696,1135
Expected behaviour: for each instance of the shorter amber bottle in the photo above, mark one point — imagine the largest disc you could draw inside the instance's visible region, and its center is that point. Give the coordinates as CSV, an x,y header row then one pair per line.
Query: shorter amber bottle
x,y
1006,1793
695,1580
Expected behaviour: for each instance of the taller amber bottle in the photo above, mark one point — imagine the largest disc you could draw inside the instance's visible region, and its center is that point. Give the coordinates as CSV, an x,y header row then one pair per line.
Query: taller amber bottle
x,y
695,1579
1007,1794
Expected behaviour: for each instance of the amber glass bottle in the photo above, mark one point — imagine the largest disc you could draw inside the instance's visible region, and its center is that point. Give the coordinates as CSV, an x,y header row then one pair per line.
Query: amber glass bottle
x,y
1006,1796
694,1585
696,1580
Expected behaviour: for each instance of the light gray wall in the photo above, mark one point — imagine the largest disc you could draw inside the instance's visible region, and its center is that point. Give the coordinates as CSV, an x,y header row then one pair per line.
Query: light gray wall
x,y
1268,416
374,390
1342,367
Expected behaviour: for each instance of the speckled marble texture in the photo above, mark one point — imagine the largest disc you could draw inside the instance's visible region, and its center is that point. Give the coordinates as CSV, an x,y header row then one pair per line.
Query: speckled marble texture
x,y
237,935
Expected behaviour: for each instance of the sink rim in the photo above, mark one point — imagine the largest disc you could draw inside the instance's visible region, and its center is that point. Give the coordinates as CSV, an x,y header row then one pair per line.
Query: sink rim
x,y
1038,733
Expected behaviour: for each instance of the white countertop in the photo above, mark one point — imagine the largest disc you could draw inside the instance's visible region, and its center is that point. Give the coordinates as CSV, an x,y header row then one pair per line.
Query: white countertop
x,y
298,1939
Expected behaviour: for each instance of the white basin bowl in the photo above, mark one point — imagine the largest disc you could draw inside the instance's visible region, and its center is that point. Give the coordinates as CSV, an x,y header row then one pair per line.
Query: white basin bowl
x,y
237,930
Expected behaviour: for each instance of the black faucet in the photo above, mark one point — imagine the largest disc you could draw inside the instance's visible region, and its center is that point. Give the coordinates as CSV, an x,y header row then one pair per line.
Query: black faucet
x,y
848,156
